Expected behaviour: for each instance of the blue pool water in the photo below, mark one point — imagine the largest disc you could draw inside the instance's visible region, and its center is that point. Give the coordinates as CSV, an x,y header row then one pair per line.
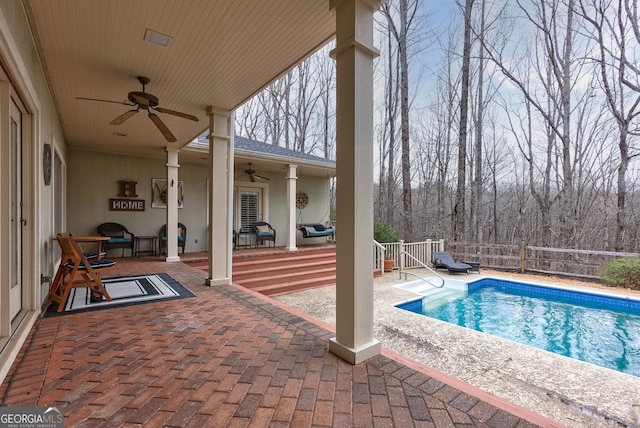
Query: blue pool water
x,y
596,329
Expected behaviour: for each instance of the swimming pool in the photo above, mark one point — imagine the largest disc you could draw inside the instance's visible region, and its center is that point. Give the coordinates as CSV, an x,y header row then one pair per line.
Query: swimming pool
x,y
598,329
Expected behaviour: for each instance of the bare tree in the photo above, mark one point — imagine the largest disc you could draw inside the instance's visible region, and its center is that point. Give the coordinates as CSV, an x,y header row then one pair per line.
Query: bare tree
x,y
477,182
296,110
613,27
435,142
406,12
557,69
327,113
390,118
459,209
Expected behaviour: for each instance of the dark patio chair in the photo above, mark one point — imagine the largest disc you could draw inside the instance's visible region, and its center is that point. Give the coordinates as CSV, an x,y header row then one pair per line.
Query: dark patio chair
x,y
182,238
119,236
264,233
443,259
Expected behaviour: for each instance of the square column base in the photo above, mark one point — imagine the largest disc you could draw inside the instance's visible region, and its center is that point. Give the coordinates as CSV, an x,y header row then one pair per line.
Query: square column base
x,y
172,259
354,356
216,281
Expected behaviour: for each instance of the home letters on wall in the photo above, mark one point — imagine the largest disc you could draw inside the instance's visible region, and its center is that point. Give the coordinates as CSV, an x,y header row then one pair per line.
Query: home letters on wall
x,y
126,191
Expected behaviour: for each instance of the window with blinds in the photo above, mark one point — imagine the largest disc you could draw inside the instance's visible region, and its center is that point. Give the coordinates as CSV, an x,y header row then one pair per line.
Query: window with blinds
x,y
249,209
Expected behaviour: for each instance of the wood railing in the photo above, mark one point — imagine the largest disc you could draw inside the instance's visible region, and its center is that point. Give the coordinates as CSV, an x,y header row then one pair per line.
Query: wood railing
x,y
583,264
378,256
417,251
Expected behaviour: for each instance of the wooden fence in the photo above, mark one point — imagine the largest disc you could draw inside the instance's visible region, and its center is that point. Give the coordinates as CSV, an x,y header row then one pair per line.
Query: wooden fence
x,y
582,264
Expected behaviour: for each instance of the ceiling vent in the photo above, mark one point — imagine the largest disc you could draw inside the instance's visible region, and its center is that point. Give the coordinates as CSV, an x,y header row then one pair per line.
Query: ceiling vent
x,y
157,38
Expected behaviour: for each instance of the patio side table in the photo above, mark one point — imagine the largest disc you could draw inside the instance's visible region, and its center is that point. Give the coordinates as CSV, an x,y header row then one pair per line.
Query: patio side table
x,y
245,238
475,266
151,245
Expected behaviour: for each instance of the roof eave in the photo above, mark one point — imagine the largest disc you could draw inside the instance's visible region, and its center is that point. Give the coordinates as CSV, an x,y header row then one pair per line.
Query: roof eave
x,y
320,167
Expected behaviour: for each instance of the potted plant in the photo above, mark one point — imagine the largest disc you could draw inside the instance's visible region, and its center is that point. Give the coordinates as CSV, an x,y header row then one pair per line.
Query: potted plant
x,y
384,233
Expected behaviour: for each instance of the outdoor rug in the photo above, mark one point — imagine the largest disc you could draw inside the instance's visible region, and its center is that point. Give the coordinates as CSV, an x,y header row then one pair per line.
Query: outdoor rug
x,y
124,291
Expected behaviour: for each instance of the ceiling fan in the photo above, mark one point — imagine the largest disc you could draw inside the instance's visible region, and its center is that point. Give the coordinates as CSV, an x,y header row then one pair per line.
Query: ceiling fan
x,y
145,101
252,174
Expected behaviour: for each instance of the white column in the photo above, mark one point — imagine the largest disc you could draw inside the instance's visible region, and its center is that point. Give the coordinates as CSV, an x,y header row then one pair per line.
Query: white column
x,y
172,205
220,242
292,178
354,54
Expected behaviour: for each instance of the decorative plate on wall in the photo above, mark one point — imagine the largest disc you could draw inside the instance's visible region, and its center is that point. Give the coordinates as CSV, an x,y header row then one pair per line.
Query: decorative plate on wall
x,y
302,199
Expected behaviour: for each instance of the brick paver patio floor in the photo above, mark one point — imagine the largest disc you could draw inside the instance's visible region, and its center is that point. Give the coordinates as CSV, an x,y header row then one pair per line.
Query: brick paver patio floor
x,y
229,358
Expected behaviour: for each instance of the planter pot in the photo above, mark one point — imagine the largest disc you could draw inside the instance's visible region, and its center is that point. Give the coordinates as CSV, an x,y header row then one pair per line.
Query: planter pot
x,y
388,265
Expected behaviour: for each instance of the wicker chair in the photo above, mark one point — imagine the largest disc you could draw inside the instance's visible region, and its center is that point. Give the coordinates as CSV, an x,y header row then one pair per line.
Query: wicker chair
x,y
182,238
120,237
264,233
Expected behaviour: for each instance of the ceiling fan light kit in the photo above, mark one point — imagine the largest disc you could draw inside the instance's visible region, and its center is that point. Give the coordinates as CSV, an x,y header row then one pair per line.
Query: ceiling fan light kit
x,y
146,101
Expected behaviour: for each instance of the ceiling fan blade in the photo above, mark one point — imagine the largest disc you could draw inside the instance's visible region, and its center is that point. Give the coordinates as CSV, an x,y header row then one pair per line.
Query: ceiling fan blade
x,y
252,178
126,115
104,101
262,178
176,113
162,127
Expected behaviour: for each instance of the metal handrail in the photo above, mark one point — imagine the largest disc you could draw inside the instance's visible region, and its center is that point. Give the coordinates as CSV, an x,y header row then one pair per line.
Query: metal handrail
x,y
401,269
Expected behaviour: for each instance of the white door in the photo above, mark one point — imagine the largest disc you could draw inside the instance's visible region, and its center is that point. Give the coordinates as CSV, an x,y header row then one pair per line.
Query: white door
x,y
15,243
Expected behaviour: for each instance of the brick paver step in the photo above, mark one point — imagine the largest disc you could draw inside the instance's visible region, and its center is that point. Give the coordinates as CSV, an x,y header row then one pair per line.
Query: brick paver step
x,y
282,272
283,258
288,287
281,268
284,276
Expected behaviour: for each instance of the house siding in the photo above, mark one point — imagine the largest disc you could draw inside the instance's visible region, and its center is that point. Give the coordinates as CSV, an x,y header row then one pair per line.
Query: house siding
x,y
88,200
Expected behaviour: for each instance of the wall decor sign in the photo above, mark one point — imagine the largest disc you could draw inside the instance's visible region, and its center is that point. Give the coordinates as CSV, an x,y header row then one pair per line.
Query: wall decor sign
x,y
126,204
159,193
126,189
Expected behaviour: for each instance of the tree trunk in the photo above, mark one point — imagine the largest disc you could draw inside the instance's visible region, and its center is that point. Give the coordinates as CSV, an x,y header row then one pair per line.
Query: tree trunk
x,y
404,122
392,102
459,209
621,220
477,224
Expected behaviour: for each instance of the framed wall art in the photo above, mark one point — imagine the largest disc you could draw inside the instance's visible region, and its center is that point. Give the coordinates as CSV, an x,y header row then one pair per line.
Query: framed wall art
x,y
159,193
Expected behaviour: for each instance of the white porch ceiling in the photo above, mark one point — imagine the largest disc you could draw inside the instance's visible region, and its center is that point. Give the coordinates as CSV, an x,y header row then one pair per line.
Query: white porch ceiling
x,y
221,53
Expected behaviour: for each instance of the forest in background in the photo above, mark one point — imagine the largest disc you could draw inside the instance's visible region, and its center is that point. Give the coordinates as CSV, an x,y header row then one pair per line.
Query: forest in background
x,y
507,122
